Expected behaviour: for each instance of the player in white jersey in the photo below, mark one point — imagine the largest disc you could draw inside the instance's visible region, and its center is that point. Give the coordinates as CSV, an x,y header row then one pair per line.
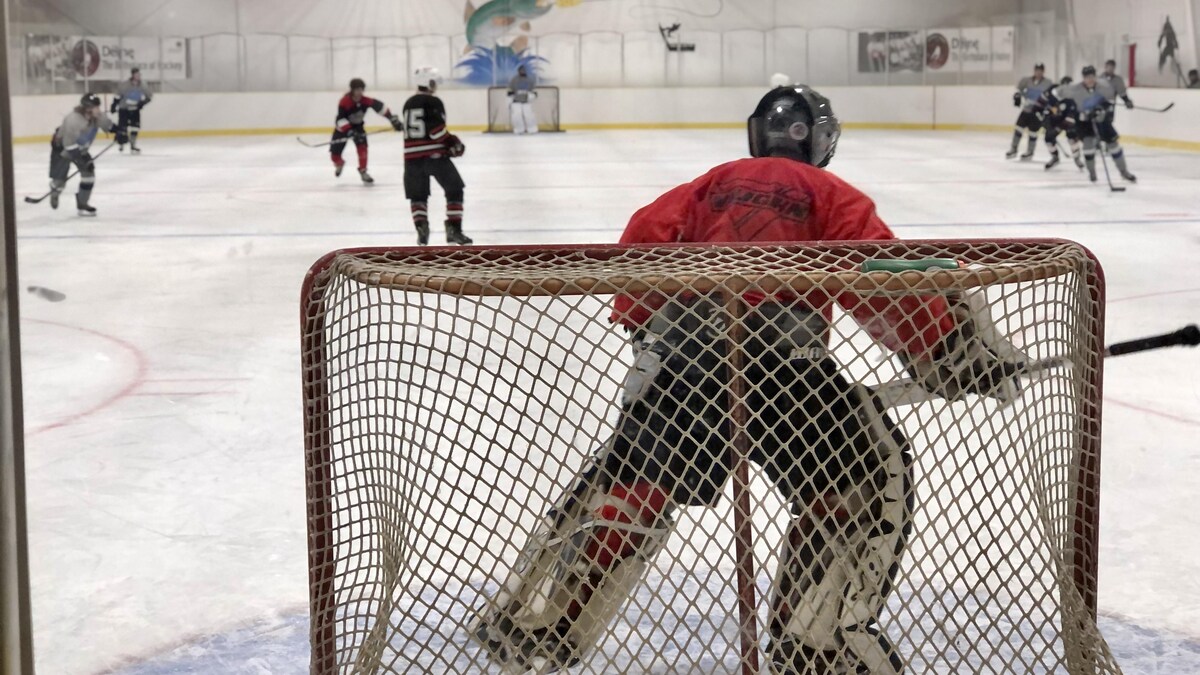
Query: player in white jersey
x,y
521,92
1029,90
69,146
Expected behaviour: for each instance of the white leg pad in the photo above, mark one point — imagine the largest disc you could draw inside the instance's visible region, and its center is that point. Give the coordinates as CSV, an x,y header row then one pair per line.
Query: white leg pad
x,y
529,620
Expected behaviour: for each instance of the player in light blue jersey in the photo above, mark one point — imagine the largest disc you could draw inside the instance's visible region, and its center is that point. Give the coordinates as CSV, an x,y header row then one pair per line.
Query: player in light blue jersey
x,y
132,96
69,146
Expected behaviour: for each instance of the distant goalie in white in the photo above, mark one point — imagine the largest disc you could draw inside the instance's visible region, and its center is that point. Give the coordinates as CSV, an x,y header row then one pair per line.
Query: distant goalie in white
x,y
522,90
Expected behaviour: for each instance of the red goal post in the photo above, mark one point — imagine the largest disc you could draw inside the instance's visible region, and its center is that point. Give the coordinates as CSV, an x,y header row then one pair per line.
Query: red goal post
x,y
453,395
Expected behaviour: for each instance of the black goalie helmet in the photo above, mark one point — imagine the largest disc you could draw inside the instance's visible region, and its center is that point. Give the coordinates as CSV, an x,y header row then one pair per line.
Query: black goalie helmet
x,y
794,121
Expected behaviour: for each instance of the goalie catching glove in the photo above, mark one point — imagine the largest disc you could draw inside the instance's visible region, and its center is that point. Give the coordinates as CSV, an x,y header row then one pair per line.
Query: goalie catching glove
x,y
972,359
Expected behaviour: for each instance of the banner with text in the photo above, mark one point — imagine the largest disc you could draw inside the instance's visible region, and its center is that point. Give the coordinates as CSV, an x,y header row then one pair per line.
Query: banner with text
x,y
970,50
57,57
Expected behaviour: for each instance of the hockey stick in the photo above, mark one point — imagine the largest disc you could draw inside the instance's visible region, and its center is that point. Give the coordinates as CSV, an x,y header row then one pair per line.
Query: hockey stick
x,y
337,142
33,200
1155,110
1104,161
910,392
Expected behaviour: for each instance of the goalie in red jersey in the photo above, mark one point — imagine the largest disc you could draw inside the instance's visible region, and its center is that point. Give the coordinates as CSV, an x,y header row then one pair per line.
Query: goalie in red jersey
x,y
825,442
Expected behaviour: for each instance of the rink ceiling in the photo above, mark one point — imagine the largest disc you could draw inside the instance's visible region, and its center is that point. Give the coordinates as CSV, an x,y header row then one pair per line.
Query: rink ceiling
x,y
163,401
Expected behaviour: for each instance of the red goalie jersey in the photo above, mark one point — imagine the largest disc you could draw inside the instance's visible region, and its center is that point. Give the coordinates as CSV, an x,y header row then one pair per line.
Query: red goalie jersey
x,y
776,200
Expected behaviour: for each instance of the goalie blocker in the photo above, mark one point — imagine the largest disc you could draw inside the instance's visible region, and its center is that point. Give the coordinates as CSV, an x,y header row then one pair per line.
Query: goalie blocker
x,y
831,451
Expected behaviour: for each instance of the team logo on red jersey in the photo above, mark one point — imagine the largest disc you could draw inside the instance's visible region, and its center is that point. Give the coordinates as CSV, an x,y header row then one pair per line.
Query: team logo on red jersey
x,y
779,200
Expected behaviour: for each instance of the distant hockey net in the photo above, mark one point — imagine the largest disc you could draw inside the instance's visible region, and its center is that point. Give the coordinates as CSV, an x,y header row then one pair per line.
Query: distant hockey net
x,y
453,397
545,107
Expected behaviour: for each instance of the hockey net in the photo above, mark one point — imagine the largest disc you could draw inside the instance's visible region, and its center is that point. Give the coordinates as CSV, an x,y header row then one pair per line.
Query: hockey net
x,y
545,107
454,396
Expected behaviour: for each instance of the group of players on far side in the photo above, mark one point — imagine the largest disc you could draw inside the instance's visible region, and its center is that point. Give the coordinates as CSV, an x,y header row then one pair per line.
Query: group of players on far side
x,y
1082,111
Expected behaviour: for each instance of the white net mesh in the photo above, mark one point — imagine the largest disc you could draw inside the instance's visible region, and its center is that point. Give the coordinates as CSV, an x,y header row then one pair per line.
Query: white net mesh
x,y
545,108
455,398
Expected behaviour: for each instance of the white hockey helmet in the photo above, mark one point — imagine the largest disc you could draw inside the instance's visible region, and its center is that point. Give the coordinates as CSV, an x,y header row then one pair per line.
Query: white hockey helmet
x,y
427,77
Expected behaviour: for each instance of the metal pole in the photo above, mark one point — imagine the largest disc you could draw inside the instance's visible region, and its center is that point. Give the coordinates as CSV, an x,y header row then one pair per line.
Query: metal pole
x,y
237,30
16,630
739,451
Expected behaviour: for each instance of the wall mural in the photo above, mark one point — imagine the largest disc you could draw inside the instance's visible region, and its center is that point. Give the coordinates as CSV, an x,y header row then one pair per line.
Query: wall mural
x,y
498,39
498,33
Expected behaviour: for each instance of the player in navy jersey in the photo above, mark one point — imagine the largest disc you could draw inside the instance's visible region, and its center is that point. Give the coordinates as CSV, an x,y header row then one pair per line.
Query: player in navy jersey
x,y
428,148
352,110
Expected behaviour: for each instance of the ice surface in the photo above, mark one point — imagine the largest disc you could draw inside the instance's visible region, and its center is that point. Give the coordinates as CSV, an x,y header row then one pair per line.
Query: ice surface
x,y
162,396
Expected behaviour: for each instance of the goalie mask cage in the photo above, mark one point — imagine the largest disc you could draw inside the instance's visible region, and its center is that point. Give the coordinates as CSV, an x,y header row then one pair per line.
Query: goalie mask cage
x,y
453,396
545,107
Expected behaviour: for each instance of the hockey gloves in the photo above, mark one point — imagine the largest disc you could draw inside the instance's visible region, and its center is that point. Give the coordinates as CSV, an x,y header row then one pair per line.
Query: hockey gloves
x,y
1017,100
454,146
965,364
397,125
1128,102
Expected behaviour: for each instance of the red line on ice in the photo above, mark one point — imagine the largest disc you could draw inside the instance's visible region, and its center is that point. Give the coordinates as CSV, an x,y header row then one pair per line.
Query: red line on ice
x,y
139,376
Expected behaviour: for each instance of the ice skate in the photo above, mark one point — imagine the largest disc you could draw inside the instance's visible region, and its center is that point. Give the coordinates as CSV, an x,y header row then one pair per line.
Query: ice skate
x,y
543,650
1010,154
366,177
85,210
1053,162
1129,176
422,234
337,171
454,234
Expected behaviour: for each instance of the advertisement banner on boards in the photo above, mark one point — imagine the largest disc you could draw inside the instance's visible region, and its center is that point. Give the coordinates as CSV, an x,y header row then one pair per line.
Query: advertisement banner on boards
x,y
58,57
1003,38
890,51
971,50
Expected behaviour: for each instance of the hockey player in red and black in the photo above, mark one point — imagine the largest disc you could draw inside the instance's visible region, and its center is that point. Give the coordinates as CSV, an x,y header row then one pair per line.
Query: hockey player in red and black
x,y
827,443
352,110
1095,98
428,149
1029,89
1060,115
70,145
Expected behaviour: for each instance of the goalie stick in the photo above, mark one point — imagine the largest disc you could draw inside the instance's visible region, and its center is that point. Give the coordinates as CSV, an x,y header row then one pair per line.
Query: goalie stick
x,y
1155,110
35,200
337,142
909,392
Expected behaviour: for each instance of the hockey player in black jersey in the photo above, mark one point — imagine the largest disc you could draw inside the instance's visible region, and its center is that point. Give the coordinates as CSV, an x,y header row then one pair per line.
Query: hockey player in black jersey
x,y
428,149
1060,115
352,109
